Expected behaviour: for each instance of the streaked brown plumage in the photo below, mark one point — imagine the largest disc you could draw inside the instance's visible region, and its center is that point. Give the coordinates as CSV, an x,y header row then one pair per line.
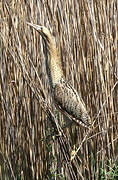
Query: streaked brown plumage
x,y
66,97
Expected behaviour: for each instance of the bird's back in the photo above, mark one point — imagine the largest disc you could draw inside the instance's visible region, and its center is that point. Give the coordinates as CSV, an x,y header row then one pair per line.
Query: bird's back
x,y
67,98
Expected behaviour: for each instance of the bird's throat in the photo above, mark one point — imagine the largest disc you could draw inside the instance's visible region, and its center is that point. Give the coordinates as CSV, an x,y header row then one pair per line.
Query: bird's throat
x,y
53,63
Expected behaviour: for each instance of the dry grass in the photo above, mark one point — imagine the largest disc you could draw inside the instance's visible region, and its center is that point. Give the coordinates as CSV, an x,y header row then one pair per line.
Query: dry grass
x,y
86,34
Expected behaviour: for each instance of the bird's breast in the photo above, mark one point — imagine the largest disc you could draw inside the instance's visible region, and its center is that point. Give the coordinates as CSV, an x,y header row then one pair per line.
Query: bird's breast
x,y
55,70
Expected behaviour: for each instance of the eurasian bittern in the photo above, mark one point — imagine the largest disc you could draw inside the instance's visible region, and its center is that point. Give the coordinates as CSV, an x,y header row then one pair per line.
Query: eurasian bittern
x,y
65,96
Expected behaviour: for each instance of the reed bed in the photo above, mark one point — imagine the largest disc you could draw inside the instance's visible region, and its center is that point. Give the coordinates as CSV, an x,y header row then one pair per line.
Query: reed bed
x,y
33,144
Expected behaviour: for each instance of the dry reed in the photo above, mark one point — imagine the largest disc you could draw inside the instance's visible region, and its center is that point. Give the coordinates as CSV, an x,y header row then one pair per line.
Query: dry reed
x,y
86,35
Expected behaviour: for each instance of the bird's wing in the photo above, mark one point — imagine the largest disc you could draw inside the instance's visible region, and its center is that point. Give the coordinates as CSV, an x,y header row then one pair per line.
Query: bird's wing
x,y
68,99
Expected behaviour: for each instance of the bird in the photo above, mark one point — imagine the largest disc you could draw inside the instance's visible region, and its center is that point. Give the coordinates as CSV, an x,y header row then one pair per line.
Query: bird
x,y
65,96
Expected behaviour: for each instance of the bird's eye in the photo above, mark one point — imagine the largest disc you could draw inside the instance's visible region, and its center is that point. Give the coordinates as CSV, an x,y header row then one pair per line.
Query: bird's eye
x,y
41,29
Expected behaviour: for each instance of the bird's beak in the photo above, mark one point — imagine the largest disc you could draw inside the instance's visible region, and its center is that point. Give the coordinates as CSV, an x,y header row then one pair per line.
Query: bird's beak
x,y
35,26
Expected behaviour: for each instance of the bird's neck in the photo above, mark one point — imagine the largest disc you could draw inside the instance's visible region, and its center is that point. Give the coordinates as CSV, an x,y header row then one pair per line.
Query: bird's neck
x,y
55,71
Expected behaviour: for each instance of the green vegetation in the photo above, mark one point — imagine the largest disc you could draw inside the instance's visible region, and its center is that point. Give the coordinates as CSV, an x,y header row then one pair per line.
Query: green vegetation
x,y
111,173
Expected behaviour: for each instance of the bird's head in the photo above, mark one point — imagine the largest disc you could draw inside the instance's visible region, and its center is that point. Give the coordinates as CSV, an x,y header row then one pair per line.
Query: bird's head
x,y
43,31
